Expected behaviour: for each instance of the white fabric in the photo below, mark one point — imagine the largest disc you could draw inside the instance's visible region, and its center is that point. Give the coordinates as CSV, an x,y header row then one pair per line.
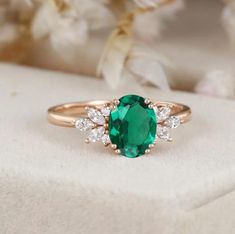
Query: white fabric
x,y
53,183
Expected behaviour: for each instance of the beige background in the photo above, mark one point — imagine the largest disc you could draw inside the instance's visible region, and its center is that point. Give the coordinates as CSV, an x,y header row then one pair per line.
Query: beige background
x,y
195,43
53,183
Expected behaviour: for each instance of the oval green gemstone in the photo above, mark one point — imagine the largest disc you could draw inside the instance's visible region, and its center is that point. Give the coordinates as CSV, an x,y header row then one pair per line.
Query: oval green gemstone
x,y
132,126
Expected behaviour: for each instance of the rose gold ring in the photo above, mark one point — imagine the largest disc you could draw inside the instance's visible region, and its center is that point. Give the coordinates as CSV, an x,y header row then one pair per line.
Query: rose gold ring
x,y
131,125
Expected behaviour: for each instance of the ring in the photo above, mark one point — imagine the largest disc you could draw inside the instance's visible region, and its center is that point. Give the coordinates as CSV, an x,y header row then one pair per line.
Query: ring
x,y
131,125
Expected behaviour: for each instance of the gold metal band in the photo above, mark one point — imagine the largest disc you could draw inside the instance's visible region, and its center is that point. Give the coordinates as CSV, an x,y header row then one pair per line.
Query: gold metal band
x,y
65,115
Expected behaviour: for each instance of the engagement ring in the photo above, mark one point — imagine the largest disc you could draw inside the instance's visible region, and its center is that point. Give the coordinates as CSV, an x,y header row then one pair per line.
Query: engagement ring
x,y
131,125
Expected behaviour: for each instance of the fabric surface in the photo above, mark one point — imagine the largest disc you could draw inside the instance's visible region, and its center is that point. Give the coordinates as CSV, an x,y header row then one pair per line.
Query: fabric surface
x,y
53,183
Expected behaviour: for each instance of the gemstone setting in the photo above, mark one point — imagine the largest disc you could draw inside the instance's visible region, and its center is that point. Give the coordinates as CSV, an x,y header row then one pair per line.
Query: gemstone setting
x,y
132,126
96,134
84,124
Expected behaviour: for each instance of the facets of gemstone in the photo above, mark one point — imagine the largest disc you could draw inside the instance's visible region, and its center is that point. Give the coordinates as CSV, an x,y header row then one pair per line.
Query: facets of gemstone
x,y
96,134
132,126
96,116
163,113
173,122
106,111
105,139
84,124
163,133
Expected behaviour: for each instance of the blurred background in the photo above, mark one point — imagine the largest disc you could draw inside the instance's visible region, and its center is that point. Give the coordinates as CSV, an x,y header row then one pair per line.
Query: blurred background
x,y
177,44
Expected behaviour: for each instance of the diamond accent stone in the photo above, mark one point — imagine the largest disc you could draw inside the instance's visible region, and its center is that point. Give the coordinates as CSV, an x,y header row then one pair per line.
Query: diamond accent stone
x,y
106,139
106,111
163,133
155,108
173,122
96,116
163,113
96,134
84,124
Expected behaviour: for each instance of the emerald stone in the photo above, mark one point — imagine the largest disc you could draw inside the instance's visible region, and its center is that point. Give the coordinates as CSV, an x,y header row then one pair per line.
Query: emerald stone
x,y
132,126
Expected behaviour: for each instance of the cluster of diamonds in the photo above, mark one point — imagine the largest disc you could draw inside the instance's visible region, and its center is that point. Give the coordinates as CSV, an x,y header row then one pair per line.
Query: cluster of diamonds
x,y
96,123
165,122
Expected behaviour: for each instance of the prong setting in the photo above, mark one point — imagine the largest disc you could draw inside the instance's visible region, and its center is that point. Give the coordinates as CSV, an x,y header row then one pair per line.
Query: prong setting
x,y
113,146
151,105
147,151
118,151
116,102
147,101
87,141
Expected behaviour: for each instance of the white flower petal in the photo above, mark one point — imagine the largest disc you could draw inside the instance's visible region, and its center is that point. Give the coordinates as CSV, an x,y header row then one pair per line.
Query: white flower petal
x,y
112,62
44,21
67,36
229,20
96,13
142,50
217,83
99,17
152,31
149,71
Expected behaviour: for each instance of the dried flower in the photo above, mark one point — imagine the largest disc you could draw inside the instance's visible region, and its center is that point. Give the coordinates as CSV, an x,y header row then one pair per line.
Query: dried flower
x,y
69,28
9,33
217,83
229,20
155,20
149,66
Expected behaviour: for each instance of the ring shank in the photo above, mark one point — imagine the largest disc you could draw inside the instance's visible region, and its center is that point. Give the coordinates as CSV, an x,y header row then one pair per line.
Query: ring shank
x,y
65,115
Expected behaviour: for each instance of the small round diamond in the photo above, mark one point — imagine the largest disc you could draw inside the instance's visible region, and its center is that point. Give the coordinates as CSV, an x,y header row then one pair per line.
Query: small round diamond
x,y
106,139
84,124
155,108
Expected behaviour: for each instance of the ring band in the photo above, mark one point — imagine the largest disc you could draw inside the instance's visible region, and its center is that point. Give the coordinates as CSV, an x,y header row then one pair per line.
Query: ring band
x,y
131,124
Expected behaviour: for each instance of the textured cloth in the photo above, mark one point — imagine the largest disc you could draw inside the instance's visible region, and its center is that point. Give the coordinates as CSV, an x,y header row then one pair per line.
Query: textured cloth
x,y
53,183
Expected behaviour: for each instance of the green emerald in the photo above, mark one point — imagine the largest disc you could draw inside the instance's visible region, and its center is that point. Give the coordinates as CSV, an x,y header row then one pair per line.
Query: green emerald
x,y
132,126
